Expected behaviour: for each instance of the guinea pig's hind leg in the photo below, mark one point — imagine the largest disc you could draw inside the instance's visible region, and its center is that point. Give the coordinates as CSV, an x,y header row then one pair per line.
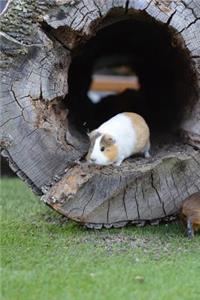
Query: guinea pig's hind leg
x,y
147,154
190,231
146,150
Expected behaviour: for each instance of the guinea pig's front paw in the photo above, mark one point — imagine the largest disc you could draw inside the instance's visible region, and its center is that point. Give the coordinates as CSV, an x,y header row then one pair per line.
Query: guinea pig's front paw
x,y
78,162
118,163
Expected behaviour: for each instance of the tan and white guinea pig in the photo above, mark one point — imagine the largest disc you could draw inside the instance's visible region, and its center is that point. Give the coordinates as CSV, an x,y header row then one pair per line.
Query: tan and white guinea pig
x,y
118,138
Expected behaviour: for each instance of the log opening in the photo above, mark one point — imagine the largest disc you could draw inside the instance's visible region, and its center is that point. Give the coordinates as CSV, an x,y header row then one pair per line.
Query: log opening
x,y
163,65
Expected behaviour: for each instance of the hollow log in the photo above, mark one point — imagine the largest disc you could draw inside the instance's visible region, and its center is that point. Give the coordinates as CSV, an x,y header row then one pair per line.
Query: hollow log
x,y
49,50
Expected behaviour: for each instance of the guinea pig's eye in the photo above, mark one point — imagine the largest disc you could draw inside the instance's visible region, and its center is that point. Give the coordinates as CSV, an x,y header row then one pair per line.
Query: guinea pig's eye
x,y
102,149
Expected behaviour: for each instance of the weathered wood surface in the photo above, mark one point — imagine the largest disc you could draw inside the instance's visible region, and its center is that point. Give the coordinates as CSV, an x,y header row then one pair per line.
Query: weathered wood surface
x,y
37,40
140,191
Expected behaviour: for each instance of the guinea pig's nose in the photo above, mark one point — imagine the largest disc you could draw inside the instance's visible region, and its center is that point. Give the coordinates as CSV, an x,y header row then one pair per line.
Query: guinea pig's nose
x,y
93,159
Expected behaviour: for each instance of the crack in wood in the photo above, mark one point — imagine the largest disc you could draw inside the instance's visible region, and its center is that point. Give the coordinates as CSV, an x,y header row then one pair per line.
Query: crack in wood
x,y
169,188
17,102
148,4
108,211
190,8
84,208
147,200
83,18
74,18
98,8
124,202
170,18
172,176
136,200
188,26
10,119
157,193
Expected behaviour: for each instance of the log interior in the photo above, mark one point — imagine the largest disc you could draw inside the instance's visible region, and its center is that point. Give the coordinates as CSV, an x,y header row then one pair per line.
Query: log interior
x,y
161,63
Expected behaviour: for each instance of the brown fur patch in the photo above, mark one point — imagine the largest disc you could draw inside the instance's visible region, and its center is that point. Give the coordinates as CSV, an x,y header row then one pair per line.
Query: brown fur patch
x,y
142,131
107,140
191,210
111,149
196,226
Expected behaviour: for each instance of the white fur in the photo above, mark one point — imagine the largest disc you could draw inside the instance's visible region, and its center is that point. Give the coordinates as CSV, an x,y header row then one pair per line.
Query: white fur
x,y
98,155
121,129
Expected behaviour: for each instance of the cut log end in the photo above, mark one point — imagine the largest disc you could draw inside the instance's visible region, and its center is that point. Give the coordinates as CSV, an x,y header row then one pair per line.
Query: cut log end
x,y
140,190
47,71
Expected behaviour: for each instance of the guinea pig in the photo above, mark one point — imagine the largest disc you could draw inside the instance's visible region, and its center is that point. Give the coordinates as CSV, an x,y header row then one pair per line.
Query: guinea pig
x,y
118,138
190,214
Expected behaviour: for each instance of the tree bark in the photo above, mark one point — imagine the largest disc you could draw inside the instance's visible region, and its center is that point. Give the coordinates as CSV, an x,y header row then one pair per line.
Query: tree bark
x,y
38,40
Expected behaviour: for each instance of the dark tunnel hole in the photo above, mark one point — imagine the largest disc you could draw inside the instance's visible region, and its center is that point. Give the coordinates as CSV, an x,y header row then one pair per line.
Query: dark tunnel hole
x,y
163,68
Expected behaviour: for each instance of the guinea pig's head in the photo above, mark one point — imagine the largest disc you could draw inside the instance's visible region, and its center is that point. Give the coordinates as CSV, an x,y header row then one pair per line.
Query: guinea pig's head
x,y
103,149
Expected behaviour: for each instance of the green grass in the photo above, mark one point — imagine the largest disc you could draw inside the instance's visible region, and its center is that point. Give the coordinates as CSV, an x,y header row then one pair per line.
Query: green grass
x,y
45,257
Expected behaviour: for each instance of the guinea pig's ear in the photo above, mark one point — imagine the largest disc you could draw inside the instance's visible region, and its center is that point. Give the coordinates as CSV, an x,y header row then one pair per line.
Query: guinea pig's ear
x,y
108,140
93,134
